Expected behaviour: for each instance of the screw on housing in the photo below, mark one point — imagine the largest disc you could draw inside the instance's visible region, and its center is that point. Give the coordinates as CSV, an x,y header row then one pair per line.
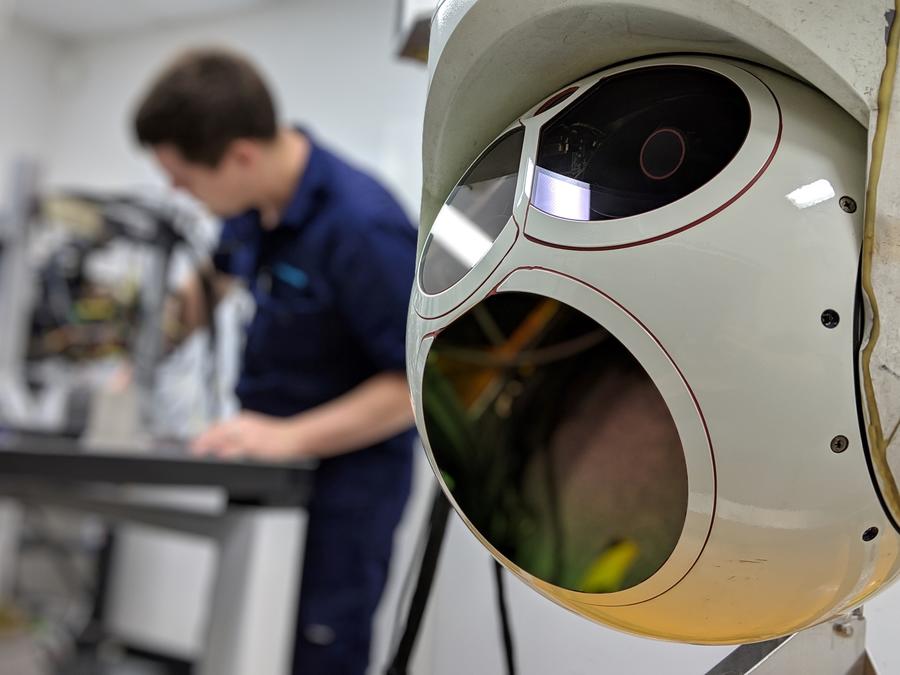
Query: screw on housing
x,y
839,444
830,318
848,204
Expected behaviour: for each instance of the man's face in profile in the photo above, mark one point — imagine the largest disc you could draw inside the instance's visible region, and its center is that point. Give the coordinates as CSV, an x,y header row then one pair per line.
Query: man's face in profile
x,y
222,188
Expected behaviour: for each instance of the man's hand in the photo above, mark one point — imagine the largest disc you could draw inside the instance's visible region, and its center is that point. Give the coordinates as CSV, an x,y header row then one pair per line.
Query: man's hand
x,y
367,414
253,435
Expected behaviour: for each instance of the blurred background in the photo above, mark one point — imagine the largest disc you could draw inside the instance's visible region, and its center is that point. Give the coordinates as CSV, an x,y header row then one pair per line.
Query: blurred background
x,y
91,239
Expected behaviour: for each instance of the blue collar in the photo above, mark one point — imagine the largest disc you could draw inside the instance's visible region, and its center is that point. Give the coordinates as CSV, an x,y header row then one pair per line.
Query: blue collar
x,y
309,190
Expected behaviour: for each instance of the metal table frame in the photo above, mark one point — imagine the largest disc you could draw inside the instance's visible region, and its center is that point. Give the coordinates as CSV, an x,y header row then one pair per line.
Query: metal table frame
x,y
259,532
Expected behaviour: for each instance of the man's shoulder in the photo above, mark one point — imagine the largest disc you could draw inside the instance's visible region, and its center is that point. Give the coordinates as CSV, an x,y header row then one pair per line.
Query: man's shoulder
x,y
355,185
356,203
364,206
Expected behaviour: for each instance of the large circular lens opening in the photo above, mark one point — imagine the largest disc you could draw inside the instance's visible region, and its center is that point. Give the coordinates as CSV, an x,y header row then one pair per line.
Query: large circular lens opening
x,y
555,443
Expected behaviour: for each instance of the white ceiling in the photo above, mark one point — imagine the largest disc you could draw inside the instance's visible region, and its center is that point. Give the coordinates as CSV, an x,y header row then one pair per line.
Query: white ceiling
x,y
77,19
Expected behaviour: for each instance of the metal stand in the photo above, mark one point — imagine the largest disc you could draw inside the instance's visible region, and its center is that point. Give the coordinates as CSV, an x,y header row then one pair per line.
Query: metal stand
x,y
16,289
254,598
836,648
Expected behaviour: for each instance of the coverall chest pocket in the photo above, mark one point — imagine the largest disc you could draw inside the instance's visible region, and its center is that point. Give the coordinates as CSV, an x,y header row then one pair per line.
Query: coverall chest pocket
x,y
292,324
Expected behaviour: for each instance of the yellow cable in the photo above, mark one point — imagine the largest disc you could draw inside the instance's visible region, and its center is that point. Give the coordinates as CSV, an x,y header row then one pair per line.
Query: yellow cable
x,y
875,432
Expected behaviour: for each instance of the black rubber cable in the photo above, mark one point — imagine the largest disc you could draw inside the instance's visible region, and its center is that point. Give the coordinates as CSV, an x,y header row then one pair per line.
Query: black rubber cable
x,y
504,620
437,525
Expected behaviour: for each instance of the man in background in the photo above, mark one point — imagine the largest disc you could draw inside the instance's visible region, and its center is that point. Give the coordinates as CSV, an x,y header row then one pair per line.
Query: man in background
x,y
329,256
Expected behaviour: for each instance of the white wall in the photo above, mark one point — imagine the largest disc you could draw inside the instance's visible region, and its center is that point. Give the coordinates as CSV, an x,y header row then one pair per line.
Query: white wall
x,y
27,98
330,63
27,60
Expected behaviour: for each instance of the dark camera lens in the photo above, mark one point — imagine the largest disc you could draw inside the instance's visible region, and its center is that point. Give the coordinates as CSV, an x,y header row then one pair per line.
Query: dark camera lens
x,y
662,153
637,141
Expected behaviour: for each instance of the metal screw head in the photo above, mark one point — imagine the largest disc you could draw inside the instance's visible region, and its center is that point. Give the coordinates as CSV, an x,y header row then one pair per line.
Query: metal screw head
x,y
843,628
830,318
870,534
848,204
839,444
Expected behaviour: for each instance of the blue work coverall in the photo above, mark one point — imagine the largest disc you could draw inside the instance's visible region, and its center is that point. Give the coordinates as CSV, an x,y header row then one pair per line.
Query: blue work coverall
x,y
332,284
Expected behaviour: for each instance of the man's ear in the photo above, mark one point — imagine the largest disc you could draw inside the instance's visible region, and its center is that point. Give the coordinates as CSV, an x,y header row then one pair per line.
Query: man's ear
x,y
245,152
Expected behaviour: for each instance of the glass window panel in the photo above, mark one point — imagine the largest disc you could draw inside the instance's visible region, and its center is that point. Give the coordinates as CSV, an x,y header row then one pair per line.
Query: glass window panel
x,y
475,213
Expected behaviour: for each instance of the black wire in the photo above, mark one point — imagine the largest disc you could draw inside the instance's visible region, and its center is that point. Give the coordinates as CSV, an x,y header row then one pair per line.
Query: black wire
x,y
437,524
504,620
406,588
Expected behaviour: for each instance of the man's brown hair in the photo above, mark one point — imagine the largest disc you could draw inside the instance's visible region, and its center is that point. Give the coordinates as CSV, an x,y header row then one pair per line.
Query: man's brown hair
x,y
203,101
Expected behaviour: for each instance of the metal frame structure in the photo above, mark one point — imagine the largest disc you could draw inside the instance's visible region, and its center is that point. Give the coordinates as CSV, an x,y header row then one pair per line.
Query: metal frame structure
x,y
831,648
259,531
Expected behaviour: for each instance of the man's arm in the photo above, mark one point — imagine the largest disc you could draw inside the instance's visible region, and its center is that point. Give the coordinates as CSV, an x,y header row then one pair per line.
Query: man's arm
x,y
374,411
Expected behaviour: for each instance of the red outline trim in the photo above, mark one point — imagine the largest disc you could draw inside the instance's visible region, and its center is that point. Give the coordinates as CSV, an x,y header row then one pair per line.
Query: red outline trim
x,y
693,224
555,100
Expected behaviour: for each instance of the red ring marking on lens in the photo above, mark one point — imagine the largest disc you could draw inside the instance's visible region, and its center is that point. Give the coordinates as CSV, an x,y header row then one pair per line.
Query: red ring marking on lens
x,y
665,130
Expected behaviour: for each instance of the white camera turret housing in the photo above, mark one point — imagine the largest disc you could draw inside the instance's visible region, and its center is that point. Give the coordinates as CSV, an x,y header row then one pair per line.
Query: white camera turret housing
x,y
634,340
